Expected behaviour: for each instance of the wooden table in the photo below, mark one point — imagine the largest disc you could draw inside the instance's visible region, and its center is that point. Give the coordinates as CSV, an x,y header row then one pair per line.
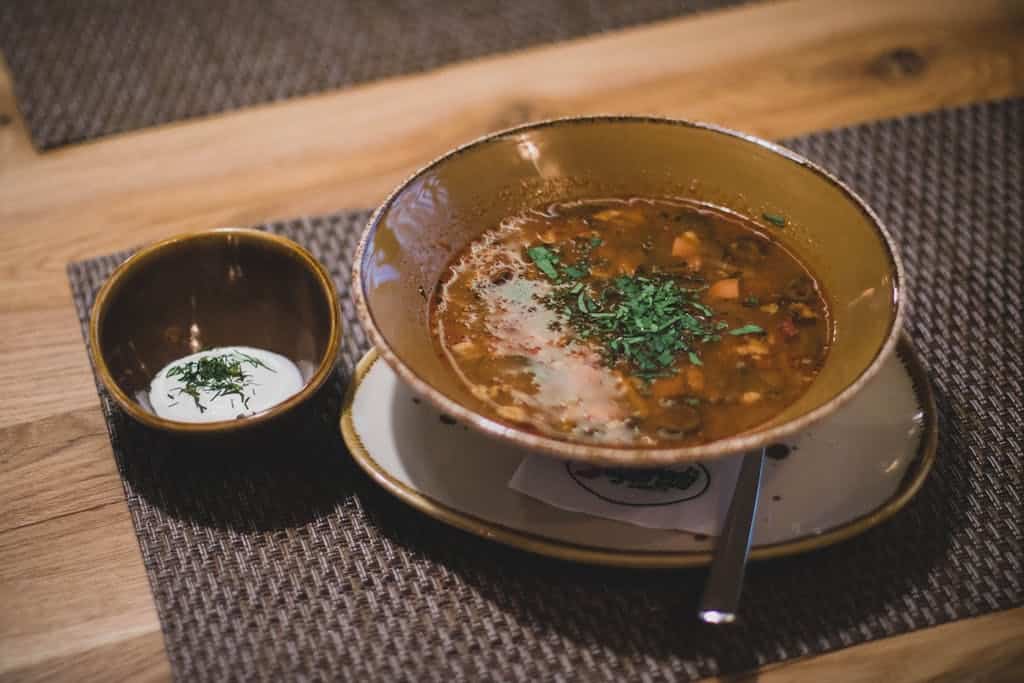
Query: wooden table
x,y
74,599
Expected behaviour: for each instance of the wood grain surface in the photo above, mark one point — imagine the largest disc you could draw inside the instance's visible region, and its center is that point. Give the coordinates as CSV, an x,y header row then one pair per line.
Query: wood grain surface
x,y
75,600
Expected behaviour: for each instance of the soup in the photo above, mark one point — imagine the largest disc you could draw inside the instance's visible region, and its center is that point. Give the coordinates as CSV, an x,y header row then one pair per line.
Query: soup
x,y
638,322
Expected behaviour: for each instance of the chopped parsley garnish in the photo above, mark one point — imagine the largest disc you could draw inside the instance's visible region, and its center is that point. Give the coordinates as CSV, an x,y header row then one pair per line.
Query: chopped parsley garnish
x,y
751,302
775,219
224,375
549,260
575,273
546,260
643,321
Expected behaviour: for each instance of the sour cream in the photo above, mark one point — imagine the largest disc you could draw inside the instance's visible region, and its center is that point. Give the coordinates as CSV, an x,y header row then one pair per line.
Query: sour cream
x,y
251,380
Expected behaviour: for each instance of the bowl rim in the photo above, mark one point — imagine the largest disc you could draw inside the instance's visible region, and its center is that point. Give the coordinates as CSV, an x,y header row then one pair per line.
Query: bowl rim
x,y
626,455
140,258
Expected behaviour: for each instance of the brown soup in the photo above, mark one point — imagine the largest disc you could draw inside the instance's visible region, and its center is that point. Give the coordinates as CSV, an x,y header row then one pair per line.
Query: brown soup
x,y
638,322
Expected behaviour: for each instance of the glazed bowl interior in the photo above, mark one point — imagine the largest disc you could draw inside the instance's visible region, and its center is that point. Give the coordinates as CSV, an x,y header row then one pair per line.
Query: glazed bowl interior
x,y
224,287
415,234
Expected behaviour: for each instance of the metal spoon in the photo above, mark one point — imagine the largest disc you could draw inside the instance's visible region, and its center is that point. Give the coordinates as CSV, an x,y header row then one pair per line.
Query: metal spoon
x,y
721,598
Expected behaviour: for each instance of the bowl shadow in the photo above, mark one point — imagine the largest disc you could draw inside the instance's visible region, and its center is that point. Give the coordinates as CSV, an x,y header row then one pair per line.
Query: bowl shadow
x,y
280,475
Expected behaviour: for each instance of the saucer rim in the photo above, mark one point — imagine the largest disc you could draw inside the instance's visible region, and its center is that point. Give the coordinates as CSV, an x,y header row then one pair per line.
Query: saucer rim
x,y
912,481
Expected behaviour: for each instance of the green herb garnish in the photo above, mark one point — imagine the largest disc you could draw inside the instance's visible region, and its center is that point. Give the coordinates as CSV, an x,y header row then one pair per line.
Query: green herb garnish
x,y
224,375
645,322
545,259
751,302
747,329
575,273
775,219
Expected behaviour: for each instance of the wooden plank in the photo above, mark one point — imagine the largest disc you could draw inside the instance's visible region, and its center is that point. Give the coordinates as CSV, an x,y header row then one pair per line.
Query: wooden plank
x,y
42,461
988,648
70,585
45,366
139,659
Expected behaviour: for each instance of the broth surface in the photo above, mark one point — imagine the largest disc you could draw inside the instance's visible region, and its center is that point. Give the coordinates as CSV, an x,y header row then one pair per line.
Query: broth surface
x,y
638,322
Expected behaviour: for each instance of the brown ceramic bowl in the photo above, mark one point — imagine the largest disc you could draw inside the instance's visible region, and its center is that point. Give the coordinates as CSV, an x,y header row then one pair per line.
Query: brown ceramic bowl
x,y
413,236
223,287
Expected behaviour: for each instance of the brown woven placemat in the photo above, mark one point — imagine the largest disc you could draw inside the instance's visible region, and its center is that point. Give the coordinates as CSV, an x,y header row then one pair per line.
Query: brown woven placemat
x,y
284,561
87,69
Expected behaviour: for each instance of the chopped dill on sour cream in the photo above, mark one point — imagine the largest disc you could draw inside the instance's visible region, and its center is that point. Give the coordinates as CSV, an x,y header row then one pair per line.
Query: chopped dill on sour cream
x,y
223,384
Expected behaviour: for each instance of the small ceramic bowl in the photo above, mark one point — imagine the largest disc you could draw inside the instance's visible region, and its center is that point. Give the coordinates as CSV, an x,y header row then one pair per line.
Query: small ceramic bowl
x,y
223,287
411,239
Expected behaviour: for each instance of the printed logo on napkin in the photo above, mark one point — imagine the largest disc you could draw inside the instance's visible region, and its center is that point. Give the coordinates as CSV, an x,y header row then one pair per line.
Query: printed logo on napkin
x,y
643,488
692,497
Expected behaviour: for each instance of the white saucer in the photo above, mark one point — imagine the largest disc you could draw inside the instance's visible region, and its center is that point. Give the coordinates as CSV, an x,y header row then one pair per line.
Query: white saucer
x,y
841,477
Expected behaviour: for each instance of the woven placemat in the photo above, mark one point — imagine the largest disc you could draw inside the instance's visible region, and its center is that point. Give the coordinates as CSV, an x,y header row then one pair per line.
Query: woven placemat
x,y
286,562
87,69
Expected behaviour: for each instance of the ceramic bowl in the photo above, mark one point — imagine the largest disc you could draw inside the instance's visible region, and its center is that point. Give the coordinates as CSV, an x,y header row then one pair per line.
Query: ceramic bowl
x,y
223,287
411,239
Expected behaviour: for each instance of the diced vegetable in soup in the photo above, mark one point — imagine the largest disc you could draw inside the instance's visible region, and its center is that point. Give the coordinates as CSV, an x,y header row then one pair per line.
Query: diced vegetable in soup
x,y
635,322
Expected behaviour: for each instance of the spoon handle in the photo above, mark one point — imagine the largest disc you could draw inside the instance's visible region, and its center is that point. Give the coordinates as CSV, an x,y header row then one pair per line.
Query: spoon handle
x,y
722,590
